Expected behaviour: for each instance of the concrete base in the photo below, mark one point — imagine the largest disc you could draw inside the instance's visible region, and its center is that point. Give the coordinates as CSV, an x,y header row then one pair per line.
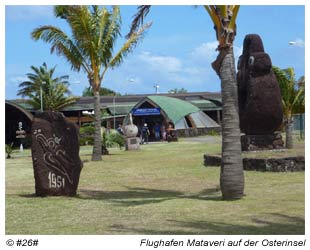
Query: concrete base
x,y
261,142
133,143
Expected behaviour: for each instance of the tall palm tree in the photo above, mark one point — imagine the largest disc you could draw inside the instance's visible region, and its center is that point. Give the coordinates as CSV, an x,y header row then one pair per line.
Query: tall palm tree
x,y
293,98
54,91
90,48
232,177
224,20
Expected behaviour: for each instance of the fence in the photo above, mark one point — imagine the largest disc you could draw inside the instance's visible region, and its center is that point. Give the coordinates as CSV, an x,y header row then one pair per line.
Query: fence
x,y
299,124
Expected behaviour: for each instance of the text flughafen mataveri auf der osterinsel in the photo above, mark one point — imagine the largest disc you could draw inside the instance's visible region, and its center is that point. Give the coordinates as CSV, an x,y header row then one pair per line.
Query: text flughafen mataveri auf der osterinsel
x,y
221,243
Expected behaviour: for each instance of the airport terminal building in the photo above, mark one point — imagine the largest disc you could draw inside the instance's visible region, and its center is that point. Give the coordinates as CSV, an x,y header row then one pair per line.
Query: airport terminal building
x,y
190,114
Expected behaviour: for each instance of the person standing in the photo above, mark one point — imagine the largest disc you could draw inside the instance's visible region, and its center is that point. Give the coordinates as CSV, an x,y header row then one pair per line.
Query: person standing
x,y
120,129
163,132
157,131
145,133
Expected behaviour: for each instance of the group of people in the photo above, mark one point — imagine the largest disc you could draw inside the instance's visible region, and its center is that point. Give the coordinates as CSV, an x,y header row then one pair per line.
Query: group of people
x,y
159,131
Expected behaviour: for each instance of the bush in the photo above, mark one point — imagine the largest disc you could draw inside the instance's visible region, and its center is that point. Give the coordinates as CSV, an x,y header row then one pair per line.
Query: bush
x,y
86,141
88,130
114,138
87,135
104,148
9,150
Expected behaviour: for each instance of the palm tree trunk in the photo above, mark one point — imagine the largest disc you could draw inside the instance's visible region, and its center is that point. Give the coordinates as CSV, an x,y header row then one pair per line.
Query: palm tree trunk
x,y
289,133
232,178
97,136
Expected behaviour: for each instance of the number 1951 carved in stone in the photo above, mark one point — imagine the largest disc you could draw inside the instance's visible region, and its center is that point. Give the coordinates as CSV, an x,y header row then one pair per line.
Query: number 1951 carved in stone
x,y
55,155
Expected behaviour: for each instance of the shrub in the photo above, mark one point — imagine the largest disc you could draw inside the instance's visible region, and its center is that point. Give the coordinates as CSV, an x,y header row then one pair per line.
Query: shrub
x,y
87,135
9,149
104,147
114,138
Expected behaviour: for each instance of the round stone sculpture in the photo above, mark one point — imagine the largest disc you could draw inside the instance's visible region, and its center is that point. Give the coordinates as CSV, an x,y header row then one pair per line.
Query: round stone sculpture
x,y
131,130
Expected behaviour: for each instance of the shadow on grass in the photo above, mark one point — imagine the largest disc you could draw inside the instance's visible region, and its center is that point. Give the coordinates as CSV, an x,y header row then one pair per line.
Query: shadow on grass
x,y
29,195
273,224
142,196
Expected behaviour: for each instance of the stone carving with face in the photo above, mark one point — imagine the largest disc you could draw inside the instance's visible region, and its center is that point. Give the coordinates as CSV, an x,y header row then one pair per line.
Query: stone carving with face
x,y
260,105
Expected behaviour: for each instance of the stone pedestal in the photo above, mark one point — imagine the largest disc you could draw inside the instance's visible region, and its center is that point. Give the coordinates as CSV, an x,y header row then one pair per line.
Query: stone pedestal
x,y
261,142
133,143
55,154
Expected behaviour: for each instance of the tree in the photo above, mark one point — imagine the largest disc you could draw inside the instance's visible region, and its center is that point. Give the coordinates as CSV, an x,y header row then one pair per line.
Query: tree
x,y
102,91
94,32
55,92
293,98
224,20
9,150
232,177
177,91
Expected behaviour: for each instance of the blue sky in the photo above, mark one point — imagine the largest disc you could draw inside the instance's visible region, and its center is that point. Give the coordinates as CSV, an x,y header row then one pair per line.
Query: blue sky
x,y
175,53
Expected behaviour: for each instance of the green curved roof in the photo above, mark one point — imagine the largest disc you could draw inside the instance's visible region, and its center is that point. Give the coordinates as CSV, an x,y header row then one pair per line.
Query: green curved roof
x,y
175,108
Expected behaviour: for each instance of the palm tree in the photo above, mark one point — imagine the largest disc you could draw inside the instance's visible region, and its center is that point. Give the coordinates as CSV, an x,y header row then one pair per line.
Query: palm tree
x,y
90,48
54,91
293,98
232,178
224,20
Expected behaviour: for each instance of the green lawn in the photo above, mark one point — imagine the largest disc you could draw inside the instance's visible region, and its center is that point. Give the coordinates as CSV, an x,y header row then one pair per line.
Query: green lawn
x,y
161,189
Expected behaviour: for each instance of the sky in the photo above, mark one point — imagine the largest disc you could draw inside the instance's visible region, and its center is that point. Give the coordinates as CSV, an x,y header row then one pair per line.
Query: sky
x,y
176,52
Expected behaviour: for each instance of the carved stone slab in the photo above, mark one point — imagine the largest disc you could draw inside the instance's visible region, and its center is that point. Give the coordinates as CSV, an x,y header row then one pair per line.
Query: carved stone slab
x,y
55,154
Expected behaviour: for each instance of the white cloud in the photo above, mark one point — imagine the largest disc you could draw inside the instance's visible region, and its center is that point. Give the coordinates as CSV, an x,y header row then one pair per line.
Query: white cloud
x,y
133,80
162,63
205,52
298,42
191,71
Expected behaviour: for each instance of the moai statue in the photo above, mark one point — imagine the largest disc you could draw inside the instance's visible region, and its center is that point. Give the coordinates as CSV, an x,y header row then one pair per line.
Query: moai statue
x,y
260,101
55,154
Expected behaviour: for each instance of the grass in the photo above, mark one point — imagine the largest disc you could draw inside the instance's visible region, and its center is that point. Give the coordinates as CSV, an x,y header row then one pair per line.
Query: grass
x,y
161,189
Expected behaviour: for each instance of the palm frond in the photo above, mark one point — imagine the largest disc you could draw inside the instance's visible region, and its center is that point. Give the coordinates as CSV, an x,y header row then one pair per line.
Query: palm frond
x,y
81,24
110,36
129,45
102,25
143,10
293,95
61,44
